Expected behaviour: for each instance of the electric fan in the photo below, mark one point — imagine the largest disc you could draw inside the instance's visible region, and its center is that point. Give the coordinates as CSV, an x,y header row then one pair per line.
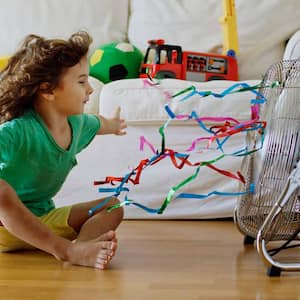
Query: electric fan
x,y
272,212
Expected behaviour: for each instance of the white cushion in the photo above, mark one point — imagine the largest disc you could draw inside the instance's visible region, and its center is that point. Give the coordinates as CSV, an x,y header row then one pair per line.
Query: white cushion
x,y
145,104
105,20
263,28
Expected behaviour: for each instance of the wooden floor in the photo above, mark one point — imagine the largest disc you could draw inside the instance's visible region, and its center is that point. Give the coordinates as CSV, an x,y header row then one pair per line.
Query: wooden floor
x,y
155,260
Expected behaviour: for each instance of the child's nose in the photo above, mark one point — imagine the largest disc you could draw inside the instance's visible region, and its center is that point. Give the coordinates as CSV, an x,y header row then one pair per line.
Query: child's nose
x,y
89,89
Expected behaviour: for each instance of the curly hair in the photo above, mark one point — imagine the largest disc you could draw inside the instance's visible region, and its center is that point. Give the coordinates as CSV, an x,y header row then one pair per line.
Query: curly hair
x,y
39,60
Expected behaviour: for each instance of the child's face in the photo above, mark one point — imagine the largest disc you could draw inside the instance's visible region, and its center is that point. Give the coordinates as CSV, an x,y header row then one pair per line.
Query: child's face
x,y
73,89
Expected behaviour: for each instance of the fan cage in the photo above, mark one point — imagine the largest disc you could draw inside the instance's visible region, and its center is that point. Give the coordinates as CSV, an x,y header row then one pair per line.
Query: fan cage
x,y
270,167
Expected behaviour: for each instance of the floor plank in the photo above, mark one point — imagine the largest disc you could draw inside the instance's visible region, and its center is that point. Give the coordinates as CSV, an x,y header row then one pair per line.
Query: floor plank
x,y
188,260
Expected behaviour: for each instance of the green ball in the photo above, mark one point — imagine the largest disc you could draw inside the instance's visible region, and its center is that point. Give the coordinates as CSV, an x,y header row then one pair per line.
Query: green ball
x,y
115,61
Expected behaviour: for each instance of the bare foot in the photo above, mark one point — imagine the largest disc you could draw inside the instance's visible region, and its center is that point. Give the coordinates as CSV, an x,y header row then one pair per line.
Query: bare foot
x,y
95,253
108,236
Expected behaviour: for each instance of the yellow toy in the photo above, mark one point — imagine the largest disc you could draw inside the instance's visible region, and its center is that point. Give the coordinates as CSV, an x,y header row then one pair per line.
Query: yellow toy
x,y
229,27
3,62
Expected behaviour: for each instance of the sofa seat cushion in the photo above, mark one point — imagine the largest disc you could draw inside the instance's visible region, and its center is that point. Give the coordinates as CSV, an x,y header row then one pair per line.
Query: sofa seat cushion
x,y
142,103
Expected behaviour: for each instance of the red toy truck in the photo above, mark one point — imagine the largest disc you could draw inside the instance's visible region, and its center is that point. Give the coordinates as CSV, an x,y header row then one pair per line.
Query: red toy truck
x,y
169,61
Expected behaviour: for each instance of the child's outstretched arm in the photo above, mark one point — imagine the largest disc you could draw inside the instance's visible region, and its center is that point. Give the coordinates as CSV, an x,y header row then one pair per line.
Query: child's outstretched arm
x,y
114,125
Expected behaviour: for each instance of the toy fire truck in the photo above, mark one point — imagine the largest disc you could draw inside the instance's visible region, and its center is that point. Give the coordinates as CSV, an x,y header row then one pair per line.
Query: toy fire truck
x,y
169,61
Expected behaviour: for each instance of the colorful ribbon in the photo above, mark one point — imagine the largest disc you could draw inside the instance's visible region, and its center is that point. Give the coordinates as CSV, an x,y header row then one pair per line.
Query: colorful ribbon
x,y
224,128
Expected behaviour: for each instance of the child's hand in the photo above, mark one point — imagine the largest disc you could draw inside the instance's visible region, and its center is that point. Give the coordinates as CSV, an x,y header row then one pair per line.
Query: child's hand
x,y
114,125
117,123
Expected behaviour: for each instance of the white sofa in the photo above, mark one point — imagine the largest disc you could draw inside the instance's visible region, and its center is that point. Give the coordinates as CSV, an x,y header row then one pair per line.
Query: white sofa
x,y
264,29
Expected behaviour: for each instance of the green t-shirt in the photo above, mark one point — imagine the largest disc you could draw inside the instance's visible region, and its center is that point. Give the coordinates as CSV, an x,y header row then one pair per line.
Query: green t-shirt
x,y
32,162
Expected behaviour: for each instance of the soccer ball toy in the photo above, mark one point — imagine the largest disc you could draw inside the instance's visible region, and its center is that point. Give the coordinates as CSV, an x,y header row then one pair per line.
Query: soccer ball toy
x,y
115,61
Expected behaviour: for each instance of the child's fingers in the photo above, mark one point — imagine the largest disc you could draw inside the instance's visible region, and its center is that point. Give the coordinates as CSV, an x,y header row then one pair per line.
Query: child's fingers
x,y
123,123
118,112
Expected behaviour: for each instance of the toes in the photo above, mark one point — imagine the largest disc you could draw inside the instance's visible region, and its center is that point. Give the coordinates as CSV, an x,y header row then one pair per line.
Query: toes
x,y
99,265
109,245
103,258
106,252
108,236
102,261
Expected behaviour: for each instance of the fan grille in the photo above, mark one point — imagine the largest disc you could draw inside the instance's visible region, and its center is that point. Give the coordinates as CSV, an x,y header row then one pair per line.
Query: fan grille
x,y
270,167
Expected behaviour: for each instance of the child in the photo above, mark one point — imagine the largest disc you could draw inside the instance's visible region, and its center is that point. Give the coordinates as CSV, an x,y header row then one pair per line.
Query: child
x,y
42,94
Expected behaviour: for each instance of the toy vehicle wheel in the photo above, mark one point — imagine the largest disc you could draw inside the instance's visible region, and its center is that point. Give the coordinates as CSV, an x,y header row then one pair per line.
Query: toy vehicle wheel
x,y
216,78
165,74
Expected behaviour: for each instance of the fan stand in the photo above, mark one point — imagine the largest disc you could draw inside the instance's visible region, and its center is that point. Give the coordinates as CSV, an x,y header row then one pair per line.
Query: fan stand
x,y
275,267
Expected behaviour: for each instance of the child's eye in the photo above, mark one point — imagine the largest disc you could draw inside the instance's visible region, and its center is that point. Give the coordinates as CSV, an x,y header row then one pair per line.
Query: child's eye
x,y
82,82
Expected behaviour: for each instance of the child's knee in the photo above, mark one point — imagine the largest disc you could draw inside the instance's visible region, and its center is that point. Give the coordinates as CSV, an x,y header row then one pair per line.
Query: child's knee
x,y
120,210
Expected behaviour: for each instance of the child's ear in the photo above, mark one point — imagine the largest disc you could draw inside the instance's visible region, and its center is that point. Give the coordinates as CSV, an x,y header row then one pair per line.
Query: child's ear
x,y
45,91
